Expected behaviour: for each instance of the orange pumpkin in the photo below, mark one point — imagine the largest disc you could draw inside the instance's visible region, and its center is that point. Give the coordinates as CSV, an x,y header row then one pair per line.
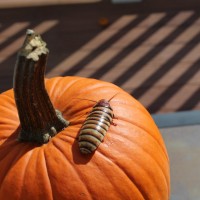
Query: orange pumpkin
x,y
131,162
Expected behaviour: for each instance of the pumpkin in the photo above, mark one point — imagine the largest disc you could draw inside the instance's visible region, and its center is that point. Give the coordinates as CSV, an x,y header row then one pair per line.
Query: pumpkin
x,y
131,163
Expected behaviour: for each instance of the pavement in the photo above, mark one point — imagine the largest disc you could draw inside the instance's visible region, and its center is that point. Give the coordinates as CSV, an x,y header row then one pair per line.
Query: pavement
x,y
150,49
181,133
183,148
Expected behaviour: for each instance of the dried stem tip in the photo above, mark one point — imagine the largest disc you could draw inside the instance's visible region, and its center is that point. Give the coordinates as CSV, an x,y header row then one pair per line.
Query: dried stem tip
x,y
33,46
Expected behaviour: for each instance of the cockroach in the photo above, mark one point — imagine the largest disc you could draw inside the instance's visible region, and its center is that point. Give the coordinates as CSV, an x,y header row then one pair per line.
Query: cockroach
x,y
95,126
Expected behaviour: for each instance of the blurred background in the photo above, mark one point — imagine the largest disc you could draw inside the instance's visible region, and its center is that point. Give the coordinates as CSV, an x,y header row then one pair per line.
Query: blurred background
x,y
150,48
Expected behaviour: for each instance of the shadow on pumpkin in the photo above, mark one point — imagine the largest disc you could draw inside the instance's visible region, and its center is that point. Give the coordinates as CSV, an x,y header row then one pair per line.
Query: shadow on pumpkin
x,y
11,150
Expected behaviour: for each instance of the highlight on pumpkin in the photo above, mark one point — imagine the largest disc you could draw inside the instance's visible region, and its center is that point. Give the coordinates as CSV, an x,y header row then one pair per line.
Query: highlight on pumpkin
x,y
39,120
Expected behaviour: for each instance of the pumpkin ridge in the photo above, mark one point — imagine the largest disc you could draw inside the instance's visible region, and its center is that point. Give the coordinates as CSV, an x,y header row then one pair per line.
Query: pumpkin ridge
x,y
76,122
122,171
8,94
47,81
47,170
147,131
105,87
130,101
64,92
71,85
99,85
113,131
3,156
7,108
142,190
58,148
25,171
11,122
150,157
143,193
66,133
41,152
15,157
6,144
56,81
64,138
8,131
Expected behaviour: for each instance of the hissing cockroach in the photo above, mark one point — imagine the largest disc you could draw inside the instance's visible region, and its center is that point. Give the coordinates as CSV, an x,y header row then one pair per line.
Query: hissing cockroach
x,y
95,126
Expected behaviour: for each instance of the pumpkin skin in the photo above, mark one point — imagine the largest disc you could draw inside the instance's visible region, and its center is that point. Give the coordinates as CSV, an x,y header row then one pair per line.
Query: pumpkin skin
x,y
131,163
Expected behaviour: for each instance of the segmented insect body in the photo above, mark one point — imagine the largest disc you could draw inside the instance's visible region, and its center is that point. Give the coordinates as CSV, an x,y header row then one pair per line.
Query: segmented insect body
x,y
95,126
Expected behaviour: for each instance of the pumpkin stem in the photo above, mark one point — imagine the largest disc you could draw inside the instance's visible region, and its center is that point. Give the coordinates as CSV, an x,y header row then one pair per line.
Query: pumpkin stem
x,y
38,118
